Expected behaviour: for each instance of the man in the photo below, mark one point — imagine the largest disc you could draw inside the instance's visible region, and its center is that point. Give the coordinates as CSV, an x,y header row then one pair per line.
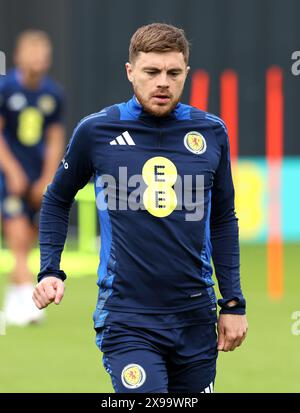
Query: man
x,y
31,147
156,311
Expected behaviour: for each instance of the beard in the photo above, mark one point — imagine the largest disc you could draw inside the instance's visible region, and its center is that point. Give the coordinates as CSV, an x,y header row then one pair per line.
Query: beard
x,y
159,111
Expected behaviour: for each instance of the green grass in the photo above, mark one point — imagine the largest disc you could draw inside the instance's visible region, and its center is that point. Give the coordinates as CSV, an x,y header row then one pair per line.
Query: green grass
x,y
268,361
61,356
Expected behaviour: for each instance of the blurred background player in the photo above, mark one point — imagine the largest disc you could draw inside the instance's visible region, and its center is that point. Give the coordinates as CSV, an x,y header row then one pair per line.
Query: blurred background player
x,y
32,141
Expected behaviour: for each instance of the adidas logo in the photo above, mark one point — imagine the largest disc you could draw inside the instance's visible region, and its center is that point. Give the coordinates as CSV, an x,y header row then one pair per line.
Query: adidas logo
x,y
124,139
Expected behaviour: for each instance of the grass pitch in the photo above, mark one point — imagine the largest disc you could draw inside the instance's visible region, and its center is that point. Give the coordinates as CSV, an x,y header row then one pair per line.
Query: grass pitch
x,y
61,355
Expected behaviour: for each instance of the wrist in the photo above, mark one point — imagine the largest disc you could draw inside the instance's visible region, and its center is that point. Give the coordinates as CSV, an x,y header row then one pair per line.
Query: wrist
x,y
49,273
234,305
233,310
44,181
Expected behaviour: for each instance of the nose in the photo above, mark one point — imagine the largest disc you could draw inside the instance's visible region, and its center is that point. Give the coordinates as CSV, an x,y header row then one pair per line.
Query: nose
x,y
163,81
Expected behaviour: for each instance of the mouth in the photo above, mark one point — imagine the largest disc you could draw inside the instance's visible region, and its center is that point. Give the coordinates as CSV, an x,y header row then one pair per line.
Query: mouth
x,y
161,98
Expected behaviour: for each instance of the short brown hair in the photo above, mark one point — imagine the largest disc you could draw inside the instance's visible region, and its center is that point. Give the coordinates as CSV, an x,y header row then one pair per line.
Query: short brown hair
x,y
33,35
158,37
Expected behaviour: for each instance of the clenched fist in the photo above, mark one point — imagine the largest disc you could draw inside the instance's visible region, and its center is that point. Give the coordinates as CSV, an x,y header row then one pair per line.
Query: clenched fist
x,y
49,289
232,331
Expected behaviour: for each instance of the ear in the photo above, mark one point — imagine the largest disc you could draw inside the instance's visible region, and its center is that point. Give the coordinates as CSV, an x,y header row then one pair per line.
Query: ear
x,y
188,69
129,71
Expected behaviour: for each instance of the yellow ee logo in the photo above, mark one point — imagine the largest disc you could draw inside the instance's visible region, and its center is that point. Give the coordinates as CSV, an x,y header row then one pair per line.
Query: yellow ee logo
x,y
30,126
159,174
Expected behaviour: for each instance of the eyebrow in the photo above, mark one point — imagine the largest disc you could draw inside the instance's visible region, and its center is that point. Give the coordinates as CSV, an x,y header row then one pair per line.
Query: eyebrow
x,y
173,69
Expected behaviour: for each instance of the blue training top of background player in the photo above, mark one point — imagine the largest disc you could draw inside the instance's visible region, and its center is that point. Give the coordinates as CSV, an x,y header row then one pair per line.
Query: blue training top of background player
x,y
27,114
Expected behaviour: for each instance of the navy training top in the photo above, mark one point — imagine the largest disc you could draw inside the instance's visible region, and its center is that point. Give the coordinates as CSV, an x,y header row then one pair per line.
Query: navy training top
x,y
165,201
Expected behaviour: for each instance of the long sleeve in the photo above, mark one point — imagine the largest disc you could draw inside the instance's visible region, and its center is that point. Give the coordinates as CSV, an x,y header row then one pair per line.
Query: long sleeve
x,y
225,232
73,174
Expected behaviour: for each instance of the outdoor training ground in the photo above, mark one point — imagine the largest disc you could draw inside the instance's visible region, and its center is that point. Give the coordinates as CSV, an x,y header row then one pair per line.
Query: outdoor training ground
x,y
60,356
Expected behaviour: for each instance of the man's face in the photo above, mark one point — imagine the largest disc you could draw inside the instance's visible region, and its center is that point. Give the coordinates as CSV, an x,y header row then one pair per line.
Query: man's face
x,y
33,57
158,80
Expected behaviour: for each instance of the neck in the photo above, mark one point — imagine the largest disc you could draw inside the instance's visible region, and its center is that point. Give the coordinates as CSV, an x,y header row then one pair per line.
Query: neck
x,y
30,80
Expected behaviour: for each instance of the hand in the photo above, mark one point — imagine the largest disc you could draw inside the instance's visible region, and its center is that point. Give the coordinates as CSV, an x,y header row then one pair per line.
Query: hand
x,y
232,330
36,192
17,181
48,290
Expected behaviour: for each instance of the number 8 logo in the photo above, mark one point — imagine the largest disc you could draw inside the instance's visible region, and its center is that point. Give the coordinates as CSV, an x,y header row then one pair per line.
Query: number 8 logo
x,y
159,174
30,126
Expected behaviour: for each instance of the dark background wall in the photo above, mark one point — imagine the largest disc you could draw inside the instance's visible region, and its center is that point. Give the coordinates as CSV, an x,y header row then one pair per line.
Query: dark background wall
x,y
91,40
